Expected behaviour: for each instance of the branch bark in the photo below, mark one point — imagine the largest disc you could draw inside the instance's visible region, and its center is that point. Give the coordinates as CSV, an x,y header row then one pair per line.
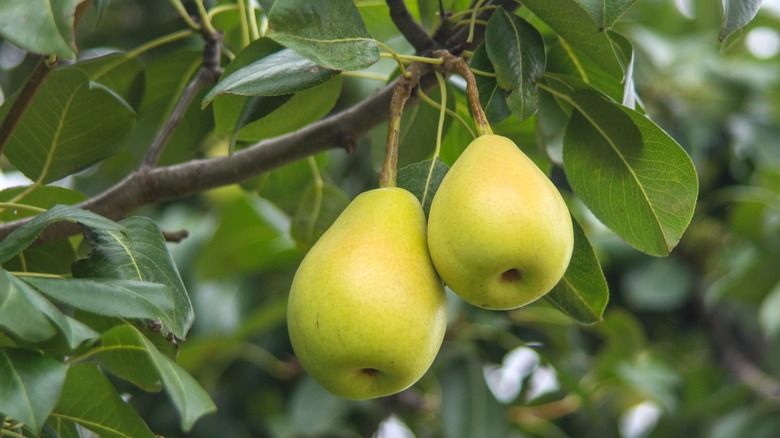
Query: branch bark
x,y
410,29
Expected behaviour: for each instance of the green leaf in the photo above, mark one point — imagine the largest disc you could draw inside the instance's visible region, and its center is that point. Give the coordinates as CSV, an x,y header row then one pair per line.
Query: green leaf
x,y
105,413
41,26
736,15
188,397
606,12
423,179
30,384
491,96
23,237
71,124
42,197
19,318
303,108
318,209
138,254
582,293
516,50
248,239
331,33
572,22
769,313
255,108
33,306
634,177
119,72
468,408
283,72
120,298
50,258
123,353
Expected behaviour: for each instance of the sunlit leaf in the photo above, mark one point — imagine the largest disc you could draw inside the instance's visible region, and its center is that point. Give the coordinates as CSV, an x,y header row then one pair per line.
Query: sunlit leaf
x,y
70,124
283,72
736,15
42,26
106,413
606,12
573,23
30,384
331,33
634,177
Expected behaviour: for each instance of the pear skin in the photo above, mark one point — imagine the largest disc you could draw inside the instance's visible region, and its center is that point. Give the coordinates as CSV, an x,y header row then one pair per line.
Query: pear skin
x,y
499,233
367,311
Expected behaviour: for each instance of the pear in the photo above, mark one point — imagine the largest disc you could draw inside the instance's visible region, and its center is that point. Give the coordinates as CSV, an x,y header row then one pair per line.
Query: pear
x,y
367,311
499,233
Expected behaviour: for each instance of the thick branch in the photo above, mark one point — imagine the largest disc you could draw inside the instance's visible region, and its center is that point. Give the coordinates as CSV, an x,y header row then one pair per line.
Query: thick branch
x,y
410,29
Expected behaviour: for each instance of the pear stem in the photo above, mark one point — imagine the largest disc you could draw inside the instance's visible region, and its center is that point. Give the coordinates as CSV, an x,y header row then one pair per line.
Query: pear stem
x,y
401,93
460,66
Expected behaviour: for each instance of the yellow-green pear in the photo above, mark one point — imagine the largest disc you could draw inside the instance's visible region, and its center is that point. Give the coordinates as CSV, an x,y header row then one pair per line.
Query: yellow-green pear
x,y
367,311
499,233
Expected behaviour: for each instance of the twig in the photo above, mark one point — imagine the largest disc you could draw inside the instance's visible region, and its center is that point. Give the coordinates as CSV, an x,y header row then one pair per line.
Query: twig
x,y
401,93
410,29
208,74
457,64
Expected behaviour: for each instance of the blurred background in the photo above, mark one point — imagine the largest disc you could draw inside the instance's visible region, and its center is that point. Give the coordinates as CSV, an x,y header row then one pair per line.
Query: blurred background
x,y
688,345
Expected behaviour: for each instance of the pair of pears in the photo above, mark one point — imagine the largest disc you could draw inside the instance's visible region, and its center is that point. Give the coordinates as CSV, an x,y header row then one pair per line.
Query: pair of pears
x,y
367,310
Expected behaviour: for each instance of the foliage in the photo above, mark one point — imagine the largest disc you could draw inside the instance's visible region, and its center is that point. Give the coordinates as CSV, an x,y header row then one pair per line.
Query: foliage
x,y
637,110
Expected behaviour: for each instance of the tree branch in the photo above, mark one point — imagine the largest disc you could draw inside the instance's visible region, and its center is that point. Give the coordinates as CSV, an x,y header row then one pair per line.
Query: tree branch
x,y
410,29
150,185
207,75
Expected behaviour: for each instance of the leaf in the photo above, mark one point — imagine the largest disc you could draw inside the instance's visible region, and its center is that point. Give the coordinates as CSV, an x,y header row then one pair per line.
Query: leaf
x,y
582,293
423,180
635,178
42,197
41,26
188,397
572,22
24,236
30,384
246,240
105,413
34,305
71,124
769,313
19,318
303,108
119,72
255,108
606,12
283,72
736,15
468,407
120,298
331,33
491,96
318,209
516,50
138,254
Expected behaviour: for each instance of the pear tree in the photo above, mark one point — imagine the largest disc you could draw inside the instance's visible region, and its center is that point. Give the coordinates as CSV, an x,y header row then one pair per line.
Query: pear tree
x,y
266,210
